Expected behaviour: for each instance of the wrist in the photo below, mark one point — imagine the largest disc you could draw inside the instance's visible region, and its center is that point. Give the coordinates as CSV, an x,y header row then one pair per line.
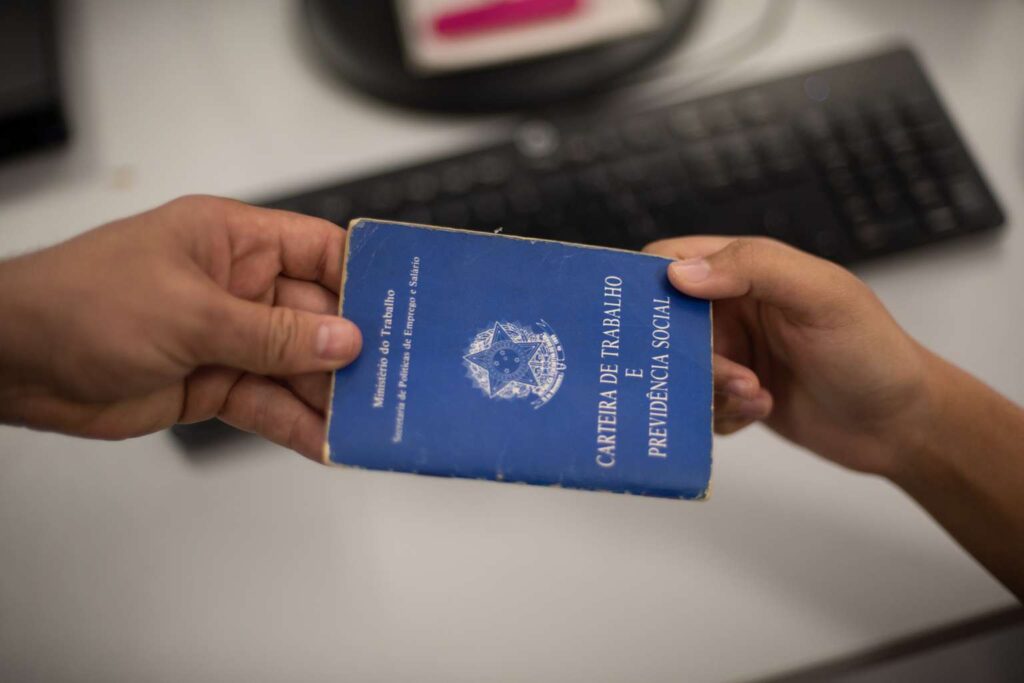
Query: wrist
x,y
928,446
912,437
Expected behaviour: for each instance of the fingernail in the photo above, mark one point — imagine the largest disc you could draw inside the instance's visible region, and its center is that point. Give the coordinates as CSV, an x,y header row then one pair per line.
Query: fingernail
x,y
691,269
739,387
335,340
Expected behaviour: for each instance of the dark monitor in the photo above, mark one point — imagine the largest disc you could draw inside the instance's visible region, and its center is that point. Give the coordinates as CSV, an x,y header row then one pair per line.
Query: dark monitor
x,y
31,115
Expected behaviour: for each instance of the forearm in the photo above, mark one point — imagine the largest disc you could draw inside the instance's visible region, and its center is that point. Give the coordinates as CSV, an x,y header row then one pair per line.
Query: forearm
x,y
29,335
13,337
966,468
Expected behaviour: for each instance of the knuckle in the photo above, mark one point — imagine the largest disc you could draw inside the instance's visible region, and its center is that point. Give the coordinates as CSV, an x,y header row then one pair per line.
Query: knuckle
x,y
851,289
193,202
208,208
751,247
293,438
743,250
207,313
261,417
280,336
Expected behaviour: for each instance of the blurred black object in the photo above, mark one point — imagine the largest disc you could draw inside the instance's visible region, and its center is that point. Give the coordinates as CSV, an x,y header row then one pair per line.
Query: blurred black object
x,y
361,41
204,442
31,115
849,162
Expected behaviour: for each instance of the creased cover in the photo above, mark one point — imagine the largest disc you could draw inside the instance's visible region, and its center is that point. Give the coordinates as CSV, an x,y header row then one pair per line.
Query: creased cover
x,y
520,360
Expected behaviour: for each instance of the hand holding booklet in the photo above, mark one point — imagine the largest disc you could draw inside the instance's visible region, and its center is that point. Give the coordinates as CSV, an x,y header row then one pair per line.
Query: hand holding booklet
x,y
521,360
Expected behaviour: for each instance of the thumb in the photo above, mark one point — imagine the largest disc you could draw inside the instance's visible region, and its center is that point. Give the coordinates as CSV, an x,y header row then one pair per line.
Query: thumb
x,y
809,288
276,340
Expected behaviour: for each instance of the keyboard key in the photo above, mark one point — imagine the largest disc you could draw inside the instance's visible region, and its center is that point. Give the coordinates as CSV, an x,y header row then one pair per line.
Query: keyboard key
x,y
523,197
888,200
842,181
755,107
828,243
453,213
882,173
897,141
706,168
595,179
831,155
488,207
553,221
333,207
643,133
968,197
883,114
911,167
936,136
950,162
866,152
663,194
741,160
383,197
814,125
665,167
941,220
579,148
857,210
416,214
607,141
556,190
493,169
644,227
719,117
871,236
779,150
926,193
850,126
919,111
628,172
778,222
422,186
457,178
686,123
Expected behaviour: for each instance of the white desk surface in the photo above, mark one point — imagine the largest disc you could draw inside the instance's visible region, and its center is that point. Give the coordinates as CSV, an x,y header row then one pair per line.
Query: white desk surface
x,y
130,561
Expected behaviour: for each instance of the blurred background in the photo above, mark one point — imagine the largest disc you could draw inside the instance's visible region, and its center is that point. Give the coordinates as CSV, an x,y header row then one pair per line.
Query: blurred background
x,y
886,136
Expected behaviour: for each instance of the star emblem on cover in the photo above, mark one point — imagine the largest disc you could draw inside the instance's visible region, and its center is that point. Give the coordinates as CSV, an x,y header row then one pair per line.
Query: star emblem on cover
x,y
513,361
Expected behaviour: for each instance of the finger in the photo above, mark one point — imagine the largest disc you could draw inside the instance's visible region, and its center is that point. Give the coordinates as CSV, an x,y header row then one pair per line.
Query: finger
x,y
304,296
732,407
810,288
731,330
692,246
312,388
275,340
119,419
206,390
304,248
256,404
731,378
308,248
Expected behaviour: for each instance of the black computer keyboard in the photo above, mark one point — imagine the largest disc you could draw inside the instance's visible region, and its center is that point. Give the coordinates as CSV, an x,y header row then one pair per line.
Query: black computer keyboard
x,y
847,162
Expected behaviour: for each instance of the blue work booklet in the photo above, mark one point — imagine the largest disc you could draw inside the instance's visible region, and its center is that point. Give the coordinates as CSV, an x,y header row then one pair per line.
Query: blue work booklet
x,y
520,360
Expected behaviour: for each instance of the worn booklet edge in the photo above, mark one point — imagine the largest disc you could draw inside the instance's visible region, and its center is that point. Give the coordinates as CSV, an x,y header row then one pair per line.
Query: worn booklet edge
x,y
325,454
